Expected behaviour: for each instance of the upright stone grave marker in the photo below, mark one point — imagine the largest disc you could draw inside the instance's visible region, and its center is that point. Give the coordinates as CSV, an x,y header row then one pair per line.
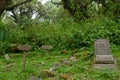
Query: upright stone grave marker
x,y
103,57
102,47
24,48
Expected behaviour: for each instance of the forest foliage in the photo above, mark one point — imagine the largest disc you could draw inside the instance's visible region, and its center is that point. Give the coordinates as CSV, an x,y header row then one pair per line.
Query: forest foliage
x,y
62,26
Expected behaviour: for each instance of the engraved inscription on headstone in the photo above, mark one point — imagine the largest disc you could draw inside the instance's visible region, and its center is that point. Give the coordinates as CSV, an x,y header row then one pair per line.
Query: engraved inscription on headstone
x,y
102,47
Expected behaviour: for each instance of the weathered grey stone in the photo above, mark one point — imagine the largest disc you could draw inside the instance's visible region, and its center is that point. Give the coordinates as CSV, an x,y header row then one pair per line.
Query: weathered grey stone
x,y
101,47
6,57
104,59
46,47
104,66
24,47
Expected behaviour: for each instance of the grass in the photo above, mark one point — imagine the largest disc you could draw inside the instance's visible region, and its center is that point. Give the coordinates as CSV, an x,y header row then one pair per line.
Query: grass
x,y
67,64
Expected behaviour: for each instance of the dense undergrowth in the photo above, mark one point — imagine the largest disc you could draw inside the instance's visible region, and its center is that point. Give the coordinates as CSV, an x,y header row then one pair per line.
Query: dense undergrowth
x,y
66,34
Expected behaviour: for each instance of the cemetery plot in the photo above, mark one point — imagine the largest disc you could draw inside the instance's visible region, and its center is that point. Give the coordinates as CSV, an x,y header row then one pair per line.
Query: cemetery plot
x,y
103,57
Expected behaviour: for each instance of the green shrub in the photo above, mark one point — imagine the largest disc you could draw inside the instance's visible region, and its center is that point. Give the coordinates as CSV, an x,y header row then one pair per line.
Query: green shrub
x,y
69,34
4,38
65,34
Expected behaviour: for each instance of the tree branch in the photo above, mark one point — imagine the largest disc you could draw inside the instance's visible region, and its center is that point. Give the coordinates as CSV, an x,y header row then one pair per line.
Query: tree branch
x,y
58,3
16,5
15,16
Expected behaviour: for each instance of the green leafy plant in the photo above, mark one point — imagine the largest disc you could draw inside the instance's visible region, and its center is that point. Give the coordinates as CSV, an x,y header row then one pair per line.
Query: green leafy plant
x,y
4,38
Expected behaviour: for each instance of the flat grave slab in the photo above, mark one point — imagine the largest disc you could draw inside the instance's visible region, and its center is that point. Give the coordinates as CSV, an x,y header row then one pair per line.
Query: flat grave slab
x,y
104,59
104,66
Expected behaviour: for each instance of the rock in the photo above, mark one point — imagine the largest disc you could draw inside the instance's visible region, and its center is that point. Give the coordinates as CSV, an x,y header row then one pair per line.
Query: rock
x,y
73,59
42,63
55,66
46,73
46,47
65,62
6,57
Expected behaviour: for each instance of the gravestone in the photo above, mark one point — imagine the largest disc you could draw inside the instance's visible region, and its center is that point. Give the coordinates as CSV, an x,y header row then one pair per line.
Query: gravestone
x,y
24,48
102,47
103,57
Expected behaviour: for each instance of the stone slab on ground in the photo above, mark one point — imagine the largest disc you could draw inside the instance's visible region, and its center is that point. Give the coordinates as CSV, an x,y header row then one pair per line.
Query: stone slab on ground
x,y
104,66
104,59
